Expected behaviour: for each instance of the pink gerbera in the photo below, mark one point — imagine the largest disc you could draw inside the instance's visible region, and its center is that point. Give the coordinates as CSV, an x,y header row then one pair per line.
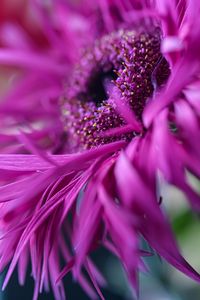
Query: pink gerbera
x,y
97,113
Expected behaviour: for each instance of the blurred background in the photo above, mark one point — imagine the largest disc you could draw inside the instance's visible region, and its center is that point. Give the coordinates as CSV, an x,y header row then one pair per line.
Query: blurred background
x,y
162,282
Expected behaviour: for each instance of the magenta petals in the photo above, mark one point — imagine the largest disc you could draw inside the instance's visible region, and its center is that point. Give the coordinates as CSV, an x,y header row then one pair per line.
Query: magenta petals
x,y
101,102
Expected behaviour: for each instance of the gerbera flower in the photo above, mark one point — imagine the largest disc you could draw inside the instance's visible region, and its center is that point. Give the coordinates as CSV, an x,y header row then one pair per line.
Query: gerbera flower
x,y
96,115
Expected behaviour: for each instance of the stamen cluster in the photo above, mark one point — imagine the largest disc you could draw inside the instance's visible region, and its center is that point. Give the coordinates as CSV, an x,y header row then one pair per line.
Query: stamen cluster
x,y
128,61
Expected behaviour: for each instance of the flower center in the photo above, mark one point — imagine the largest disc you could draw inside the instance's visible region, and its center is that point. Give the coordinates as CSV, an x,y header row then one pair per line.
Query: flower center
x,y
127,61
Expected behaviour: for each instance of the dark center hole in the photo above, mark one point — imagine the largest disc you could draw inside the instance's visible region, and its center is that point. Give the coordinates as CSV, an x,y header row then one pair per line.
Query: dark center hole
x,y
98,87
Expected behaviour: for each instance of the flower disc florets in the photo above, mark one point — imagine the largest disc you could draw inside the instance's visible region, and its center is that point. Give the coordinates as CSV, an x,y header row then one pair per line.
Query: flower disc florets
x,y
127,61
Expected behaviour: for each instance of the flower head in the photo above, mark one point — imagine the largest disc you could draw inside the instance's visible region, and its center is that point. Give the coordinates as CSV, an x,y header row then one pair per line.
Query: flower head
x,y
100,106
